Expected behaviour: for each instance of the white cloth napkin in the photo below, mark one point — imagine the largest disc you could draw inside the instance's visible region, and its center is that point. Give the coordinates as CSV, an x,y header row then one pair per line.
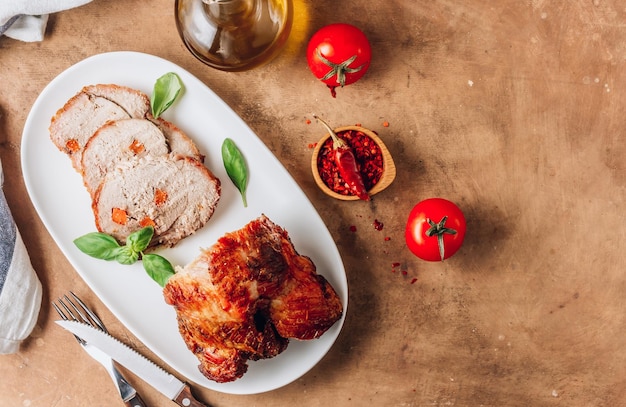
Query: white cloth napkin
x,y
20,288
26,20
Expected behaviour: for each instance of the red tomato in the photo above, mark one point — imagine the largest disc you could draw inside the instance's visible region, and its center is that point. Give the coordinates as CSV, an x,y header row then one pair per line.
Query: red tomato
x,y
435,229
339,54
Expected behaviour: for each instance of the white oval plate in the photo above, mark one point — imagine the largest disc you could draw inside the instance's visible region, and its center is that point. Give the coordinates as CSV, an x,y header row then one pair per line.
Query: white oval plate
x,y
58,194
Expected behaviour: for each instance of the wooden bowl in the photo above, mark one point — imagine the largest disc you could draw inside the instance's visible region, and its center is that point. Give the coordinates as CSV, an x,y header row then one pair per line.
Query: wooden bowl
x,y
389,168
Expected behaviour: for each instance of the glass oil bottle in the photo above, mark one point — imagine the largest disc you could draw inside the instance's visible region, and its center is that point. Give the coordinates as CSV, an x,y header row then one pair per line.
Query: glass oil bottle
x,y
234,35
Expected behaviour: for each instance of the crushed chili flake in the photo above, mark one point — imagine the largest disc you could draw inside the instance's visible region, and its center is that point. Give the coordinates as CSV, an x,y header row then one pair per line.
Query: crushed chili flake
x,y
308,121
312,145
413,281
352,228
395,264
378,225
368,156
385,123
333,91
387,238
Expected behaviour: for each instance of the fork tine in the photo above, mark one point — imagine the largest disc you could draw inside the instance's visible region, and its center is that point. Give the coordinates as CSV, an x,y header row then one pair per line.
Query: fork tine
x,y
64,316
77,313
60,312
68,310
94,318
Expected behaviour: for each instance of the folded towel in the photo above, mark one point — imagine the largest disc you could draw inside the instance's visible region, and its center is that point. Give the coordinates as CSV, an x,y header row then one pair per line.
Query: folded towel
x,y
26,20
20,288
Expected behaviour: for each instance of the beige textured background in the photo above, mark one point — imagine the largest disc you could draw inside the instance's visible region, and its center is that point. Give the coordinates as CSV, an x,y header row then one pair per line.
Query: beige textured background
x,y
512,109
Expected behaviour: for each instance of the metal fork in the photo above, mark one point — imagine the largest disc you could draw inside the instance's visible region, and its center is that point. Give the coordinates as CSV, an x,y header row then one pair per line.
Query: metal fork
x,y
74,309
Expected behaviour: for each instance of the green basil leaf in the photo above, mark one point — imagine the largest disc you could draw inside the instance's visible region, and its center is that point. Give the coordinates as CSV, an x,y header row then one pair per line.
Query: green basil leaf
x,y
98,245
140,239
165,92
125,255
105,247
235,166
158,268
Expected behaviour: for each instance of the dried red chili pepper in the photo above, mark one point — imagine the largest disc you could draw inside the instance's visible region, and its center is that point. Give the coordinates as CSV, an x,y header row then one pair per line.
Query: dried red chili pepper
x,y
346,163
368,156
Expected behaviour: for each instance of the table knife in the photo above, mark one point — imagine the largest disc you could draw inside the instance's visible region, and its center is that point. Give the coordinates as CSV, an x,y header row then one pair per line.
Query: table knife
x,y
167,384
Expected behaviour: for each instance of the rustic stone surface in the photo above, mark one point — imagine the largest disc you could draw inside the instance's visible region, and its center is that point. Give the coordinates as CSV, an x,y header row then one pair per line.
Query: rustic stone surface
x,y
514,110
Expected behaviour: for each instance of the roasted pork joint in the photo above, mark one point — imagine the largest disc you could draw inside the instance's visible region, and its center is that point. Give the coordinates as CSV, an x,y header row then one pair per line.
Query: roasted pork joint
x,y
246,296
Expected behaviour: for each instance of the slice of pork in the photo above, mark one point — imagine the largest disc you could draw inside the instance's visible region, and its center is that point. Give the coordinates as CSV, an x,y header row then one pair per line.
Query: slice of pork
x,y
118,141
175,196
179,143
133,101
83,114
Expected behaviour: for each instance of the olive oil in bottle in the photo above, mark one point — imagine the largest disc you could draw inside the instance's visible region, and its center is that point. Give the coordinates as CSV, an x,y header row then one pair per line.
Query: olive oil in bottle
x,y
234,35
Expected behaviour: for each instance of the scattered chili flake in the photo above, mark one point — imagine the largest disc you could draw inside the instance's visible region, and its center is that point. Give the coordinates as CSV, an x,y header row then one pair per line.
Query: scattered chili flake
x,y
352,228
312,145
385,123
308,121
136,147
378,225
413,280
119,216
395,264
368,157
404,272
333,90
387,238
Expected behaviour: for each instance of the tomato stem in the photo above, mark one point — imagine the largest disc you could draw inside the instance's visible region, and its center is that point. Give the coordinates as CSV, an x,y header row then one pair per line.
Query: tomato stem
x,y
439,229
340,69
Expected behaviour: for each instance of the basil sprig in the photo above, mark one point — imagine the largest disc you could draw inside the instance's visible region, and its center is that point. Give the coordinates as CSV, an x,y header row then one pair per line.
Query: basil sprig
x,y
235,166
165,92
105,247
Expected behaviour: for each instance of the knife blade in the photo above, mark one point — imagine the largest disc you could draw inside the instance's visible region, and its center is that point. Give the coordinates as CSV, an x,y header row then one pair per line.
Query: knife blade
x,y
165,383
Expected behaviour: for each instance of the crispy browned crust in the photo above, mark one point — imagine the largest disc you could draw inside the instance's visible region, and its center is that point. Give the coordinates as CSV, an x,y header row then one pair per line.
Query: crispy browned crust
x,y
244,297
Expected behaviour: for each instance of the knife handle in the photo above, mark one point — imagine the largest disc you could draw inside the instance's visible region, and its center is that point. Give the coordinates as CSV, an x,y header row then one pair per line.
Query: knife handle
x,y
186,399
135,401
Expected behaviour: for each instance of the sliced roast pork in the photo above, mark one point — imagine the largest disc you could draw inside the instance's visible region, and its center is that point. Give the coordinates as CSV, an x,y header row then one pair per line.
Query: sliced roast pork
x,y
118,141
179,143
82,115
133,101
175,196
138,170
